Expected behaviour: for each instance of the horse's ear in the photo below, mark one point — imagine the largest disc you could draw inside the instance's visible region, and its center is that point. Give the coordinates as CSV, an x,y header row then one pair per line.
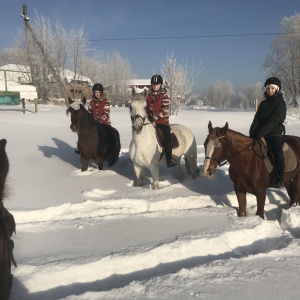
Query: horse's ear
x,y
224,129
210,128
83,100
133,92
70,101
145,93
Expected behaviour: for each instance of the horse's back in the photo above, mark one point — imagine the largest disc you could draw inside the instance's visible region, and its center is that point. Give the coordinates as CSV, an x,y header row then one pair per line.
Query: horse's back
x,y
183,134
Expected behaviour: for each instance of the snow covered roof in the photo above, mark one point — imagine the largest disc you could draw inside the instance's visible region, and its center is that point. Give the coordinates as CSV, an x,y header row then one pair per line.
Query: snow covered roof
x,y
139,82
14,86
21,73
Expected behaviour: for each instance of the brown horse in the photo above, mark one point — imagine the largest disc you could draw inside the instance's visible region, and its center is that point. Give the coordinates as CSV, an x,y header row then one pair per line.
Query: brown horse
x,y
7,227
247,169
94,140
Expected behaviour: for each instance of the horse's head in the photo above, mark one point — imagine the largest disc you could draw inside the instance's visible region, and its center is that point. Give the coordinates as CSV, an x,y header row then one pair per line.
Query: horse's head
x,y
214,149
79,115
137,107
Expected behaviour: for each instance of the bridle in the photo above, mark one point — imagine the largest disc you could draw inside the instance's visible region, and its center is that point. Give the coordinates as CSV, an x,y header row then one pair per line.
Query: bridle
x,y
142,120
221,162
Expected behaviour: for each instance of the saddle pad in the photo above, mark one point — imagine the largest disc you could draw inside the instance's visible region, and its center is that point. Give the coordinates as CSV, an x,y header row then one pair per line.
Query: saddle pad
x,y
290,161
161,141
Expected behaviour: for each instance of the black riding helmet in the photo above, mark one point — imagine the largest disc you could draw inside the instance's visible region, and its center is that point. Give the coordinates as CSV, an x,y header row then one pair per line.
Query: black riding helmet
x,y
156,79
97,87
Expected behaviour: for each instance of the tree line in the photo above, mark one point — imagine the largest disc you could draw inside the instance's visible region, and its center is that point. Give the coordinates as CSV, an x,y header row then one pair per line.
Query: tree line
x,y
70,49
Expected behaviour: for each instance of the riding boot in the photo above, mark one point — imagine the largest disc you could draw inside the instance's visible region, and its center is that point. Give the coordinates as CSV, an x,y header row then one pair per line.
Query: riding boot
x,y
168,146
279,171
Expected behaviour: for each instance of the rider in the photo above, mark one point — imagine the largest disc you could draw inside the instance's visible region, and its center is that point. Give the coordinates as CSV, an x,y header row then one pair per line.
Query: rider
x,y
157,110
268,123
99,107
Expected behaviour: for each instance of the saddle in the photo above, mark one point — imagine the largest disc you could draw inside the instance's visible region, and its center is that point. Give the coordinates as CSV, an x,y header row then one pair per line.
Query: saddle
x,y
161,140
290,161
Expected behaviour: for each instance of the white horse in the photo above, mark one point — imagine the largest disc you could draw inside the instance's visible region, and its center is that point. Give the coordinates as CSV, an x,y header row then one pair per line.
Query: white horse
x,y
145,151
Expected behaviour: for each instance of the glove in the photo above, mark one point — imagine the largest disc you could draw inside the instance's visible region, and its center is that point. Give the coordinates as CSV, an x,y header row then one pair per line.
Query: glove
x,y
258,135
151,119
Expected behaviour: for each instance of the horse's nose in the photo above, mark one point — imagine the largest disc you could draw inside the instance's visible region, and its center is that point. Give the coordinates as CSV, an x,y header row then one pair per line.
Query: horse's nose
x,y
137,129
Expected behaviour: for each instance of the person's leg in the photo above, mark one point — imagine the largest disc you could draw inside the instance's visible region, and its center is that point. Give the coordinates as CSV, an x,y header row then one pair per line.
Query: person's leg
x,y
168,145
275,143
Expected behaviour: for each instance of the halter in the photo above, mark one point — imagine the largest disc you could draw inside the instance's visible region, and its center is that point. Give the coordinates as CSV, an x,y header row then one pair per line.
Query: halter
x,y
225,150
219,161
142,119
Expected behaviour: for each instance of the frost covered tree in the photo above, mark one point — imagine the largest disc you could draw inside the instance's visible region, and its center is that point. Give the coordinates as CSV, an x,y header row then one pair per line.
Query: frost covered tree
x,y
179,79
284,59
221,94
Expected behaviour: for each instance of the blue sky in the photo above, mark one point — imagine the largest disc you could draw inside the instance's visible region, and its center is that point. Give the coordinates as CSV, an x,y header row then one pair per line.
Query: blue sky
x,y
238,59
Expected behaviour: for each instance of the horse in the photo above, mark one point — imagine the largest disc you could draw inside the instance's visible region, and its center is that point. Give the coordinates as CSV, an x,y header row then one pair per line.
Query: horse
x,y
7,227
146,152
247,168
94,140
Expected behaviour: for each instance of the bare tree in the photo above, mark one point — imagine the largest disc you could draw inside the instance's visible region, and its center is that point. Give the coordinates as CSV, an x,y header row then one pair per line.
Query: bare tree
x,y
179,79
254,92
284,59
221,94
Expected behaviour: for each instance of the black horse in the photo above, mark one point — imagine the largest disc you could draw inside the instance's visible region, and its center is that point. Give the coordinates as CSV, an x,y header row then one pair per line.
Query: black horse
x,y
95,141
7,227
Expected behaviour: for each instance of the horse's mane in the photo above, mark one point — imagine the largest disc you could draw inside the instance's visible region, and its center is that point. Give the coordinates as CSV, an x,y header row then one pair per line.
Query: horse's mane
x,y
241,139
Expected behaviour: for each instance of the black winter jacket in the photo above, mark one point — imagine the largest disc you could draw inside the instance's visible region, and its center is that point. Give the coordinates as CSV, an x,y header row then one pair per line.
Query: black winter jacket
x,y
269,117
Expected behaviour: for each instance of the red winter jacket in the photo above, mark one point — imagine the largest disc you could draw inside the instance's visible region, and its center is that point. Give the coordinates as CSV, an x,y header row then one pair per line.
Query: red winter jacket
x,y
158,104
100,109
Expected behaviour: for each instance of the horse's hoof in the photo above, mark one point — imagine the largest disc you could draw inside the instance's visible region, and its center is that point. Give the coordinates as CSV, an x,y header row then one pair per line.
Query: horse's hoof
x,y
242,214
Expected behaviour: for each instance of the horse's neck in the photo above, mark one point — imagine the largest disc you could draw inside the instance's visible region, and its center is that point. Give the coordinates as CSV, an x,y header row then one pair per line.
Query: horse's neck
x,y
147,135
237,142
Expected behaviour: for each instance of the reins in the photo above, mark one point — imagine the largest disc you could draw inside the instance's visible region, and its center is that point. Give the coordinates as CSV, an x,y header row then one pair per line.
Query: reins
x,y
225,150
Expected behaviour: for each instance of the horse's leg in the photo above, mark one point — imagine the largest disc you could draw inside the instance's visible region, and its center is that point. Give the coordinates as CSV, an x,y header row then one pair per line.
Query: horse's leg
x,y
84,163
290,190
139,173
295,199
178,169
155,176
99,162
260,200
191,165
5,267
241,196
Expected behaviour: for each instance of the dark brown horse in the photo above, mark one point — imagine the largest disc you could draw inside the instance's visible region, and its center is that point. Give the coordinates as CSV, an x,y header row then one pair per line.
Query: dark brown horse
x,y
94,140
247,169
7,227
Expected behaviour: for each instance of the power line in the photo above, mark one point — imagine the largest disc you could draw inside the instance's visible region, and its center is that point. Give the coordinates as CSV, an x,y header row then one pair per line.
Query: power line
x,y
192,36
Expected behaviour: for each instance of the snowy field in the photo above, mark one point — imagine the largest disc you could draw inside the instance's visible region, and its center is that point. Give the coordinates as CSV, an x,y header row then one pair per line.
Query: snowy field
x,y
92,235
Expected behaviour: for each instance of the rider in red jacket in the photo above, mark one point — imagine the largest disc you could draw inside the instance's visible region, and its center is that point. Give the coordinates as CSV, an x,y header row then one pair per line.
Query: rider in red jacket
x,y
158,104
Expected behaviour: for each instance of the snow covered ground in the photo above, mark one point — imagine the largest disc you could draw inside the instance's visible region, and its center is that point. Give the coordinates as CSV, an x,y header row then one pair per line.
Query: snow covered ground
x,y
92,235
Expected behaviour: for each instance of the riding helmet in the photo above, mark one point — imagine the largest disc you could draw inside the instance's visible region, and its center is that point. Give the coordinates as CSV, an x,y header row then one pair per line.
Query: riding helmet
x,y
156,79
273,81
97,87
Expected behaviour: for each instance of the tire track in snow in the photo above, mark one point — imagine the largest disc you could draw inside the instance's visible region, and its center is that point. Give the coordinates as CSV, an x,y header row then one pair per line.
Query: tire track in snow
x,y
266,235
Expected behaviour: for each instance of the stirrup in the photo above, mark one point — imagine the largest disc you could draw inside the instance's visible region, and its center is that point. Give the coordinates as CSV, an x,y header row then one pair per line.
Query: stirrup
x,y
277,183
172,163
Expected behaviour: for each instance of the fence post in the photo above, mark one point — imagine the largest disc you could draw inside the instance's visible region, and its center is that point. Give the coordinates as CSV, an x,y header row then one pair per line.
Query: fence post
x,y
23,105
35,105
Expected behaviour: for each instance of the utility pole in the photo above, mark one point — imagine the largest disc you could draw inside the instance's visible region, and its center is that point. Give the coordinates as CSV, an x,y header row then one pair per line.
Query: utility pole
x,y
38,43
24,16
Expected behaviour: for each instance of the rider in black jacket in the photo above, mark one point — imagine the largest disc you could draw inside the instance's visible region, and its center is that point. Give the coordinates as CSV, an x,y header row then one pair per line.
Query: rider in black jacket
x,y
268,123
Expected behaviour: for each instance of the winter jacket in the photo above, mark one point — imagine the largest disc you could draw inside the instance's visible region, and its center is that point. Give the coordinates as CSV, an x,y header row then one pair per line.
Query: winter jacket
x,y
100,109
158,104
269,117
